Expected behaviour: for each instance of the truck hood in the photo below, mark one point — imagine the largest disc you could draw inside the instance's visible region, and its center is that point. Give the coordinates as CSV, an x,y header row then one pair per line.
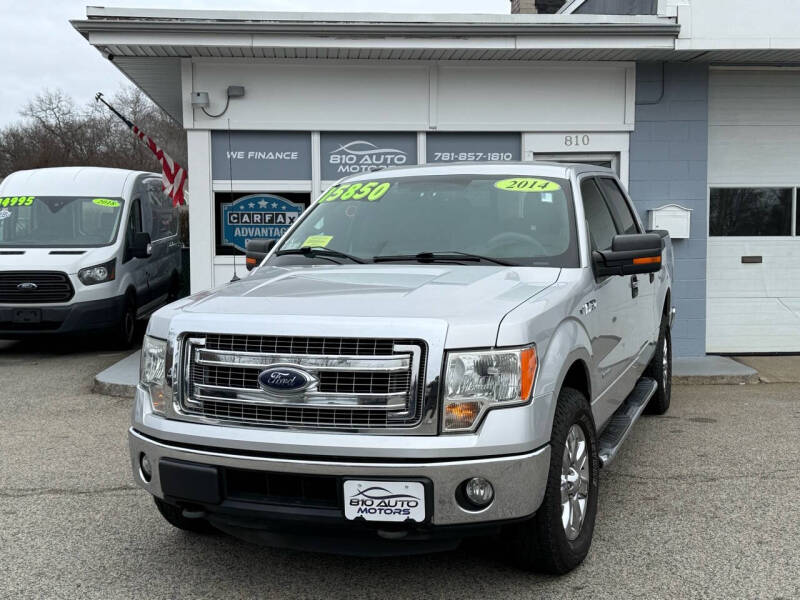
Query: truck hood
x,y
470,300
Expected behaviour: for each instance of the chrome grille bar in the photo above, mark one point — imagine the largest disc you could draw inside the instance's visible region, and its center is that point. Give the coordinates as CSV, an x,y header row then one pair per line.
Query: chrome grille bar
x,y
353,390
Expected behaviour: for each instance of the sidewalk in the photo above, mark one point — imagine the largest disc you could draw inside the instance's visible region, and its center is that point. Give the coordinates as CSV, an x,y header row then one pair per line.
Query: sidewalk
x,y
121,378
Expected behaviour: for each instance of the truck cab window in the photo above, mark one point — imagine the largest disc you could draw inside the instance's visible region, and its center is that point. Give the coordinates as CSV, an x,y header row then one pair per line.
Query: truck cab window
x,y
601,225
619,206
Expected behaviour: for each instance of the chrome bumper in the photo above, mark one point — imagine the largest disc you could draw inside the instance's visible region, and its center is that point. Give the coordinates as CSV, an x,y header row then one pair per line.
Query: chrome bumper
x,y
519,481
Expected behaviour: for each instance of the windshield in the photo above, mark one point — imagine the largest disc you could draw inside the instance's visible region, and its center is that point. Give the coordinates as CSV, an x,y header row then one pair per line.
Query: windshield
x,y
50,221
517,220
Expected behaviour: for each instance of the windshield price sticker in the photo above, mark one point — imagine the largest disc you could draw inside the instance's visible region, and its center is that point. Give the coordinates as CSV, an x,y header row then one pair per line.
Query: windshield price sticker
x,y
527,184
370,191
317,241
106,202
17,200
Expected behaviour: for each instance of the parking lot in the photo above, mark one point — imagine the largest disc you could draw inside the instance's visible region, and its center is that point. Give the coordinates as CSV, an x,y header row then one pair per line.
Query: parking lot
x,y
701,503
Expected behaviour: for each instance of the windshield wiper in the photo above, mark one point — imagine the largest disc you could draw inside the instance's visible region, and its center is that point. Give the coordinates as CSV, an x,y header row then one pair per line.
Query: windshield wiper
x,y
449,256
313,251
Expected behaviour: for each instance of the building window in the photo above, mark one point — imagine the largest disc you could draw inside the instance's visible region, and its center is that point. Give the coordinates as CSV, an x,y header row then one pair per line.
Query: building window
x,y
736,212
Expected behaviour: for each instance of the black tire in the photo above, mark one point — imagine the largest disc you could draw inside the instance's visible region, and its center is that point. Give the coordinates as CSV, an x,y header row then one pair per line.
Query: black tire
x,y
660,369
174,516
125,331
542,544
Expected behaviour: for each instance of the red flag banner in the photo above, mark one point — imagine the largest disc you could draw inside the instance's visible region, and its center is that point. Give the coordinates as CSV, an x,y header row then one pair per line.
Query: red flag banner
x,y
173,175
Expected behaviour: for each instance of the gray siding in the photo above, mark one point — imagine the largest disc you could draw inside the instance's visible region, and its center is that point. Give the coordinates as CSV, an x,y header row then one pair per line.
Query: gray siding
x,y
669,164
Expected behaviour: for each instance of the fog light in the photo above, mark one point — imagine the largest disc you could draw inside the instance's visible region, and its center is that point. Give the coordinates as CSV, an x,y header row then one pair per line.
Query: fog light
x,y
479,492
146,467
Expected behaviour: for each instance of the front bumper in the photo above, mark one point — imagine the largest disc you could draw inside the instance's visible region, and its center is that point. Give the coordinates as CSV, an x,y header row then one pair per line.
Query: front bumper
x,y
59,319
519,482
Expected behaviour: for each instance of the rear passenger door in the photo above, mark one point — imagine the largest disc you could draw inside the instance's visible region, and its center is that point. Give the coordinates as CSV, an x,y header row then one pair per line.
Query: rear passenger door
x,y
609,319
643,287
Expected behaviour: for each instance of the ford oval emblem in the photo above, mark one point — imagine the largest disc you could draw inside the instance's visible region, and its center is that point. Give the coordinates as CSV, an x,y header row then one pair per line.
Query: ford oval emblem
x,y
27,285
284,380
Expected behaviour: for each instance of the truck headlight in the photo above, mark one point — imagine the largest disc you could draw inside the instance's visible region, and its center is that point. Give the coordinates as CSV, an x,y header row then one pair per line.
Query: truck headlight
x,y
98,273
153,373
482,380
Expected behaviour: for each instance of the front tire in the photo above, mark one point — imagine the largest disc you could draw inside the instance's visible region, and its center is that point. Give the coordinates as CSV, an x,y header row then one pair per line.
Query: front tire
x,y
558,538
124,332
660,369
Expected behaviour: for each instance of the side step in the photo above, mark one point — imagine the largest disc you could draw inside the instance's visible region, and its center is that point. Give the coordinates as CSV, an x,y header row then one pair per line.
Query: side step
x,y
621,422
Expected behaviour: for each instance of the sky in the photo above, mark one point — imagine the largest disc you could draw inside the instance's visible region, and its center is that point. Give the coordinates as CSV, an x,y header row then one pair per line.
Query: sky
x,y
43,51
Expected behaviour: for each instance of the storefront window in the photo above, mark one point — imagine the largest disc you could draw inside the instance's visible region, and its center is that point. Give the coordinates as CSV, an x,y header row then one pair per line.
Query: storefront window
x,y
266,216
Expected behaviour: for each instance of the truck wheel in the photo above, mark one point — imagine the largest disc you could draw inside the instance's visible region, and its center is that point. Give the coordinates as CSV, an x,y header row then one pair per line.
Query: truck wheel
x,y
660,369
558,538
174,516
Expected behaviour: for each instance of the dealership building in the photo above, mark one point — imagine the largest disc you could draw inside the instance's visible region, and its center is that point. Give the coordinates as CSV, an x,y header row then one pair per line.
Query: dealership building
x,y
695,103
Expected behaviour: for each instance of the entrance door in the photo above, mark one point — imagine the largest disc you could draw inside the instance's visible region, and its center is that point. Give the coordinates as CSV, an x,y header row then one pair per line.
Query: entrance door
x,y
608,160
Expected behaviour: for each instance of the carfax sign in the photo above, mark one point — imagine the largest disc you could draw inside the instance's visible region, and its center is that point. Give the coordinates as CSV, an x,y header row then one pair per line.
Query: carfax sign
x,y
257,217
353,153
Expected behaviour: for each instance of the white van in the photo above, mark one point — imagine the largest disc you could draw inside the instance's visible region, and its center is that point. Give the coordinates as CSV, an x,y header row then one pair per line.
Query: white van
x,y
85,249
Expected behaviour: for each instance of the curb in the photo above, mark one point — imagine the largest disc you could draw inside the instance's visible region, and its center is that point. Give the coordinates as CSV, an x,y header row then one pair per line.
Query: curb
x,y
118,390
716,379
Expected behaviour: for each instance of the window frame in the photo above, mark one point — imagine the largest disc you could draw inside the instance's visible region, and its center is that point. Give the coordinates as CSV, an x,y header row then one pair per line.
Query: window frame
x,y
794,216
628,205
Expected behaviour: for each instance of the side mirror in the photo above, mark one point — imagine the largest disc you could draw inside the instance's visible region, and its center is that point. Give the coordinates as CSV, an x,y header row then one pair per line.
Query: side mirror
x,y
140,246
257,250
630,255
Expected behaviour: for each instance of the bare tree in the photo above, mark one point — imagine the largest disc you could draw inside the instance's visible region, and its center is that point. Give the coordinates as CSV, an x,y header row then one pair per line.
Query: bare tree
x,y
54,131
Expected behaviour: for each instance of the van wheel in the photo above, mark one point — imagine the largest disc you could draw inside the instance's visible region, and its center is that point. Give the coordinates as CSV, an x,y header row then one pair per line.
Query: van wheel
x,y
660,369
174,292
558,538
174,516
126,329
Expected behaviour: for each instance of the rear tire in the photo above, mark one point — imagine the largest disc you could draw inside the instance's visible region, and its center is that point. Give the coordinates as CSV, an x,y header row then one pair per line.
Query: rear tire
x,y
660,370
557,539
125,331
174,516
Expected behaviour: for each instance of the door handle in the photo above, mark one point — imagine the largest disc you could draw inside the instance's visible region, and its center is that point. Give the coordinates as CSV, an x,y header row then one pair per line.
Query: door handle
x,y
634,286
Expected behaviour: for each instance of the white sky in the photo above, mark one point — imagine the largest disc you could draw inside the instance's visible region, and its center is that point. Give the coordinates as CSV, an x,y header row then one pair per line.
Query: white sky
x,y
43,51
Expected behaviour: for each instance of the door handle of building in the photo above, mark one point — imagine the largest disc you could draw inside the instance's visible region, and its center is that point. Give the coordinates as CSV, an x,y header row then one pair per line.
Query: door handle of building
x,y
634,286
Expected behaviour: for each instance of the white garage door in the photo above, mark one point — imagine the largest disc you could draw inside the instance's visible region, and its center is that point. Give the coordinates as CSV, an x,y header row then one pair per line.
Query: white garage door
x,y
753,246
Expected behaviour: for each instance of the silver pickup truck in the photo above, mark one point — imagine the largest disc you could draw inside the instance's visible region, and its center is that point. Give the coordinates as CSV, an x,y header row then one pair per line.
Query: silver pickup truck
x,y
429,353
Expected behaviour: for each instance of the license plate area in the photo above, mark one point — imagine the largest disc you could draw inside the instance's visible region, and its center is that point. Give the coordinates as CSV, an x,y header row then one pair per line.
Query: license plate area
x,y
385,500
27,315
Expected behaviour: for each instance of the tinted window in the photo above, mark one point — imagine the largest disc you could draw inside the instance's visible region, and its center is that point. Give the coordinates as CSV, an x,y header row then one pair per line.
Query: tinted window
x,y
601,226
163,215
523,220
619,206
750,211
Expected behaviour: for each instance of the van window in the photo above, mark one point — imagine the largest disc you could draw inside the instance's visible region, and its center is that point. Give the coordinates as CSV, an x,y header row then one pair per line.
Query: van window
x,y
59,221
163,215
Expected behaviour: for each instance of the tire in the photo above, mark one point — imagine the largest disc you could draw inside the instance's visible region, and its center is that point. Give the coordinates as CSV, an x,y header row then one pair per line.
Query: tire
x,y
543,544
660,369
125,331
174,516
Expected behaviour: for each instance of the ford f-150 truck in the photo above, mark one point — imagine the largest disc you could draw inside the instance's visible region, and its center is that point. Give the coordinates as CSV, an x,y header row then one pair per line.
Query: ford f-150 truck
x,y
429,353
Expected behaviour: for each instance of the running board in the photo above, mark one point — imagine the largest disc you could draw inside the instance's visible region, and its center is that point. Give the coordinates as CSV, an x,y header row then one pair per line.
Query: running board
x,y
621,422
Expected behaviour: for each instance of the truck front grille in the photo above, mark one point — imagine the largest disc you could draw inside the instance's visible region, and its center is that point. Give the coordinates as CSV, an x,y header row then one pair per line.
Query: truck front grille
x,y
361,383
34,287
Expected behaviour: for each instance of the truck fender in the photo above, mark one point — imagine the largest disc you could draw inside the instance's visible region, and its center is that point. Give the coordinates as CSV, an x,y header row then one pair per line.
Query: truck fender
x,y
569,344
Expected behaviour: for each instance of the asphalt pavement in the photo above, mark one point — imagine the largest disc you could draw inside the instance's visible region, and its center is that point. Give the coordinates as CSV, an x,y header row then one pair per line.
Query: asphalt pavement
x,y
701,503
